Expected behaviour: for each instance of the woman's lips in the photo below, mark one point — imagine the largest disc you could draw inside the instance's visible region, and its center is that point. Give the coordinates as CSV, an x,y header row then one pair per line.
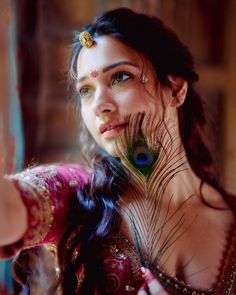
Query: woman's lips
x,y
111,130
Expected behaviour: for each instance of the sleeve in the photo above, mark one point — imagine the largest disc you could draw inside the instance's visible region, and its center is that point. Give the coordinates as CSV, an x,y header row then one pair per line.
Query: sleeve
x,y
45,191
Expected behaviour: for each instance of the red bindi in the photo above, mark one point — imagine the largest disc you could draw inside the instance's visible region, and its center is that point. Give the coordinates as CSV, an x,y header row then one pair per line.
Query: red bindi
x,y
94,73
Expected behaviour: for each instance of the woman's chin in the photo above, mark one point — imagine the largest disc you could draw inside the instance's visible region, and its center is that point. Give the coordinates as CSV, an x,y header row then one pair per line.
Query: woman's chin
x,y
114,153
113,150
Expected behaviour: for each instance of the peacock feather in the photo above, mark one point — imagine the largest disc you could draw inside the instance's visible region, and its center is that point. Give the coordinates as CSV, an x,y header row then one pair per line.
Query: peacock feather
x,y
149,154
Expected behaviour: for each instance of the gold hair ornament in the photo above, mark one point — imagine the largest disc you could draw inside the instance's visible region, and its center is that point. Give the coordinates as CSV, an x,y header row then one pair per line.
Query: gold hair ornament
x,y
86,39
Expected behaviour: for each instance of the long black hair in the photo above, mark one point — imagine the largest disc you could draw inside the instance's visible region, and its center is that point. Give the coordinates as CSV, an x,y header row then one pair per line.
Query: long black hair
x,y
94,214
169,56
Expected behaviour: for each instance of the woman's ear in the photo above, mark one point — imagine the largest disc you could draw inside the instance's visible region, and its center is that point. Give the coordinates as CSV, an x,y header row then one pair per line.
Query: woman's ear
x,y
179,88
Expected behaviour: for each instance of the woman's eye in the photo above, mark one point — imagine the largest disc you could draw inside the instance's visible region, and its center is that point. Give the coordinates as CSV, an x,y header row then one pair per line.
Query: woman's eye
x,y
119,78
84,91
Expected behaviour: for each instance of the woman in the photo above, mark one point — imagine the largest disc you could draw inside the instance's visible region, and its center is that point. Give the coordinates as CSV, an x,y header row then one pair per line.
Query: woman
x,y
149,216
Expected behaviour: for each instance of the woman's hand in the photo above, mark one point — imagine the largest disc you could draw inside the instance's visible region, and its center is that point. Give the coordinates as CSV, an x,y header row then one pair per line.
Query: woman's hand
x,y
151,285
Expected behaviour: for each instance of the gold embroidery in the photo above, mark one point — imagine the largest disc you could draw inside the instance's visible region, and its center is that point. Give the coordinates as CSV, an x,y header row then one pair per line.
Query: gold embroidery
x,y
36,195
172,285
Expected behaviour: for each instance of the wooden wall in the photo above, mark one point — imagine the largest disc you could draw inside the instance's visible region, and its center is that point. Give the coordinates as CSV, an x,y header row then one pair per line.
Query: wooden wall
x,y
44,30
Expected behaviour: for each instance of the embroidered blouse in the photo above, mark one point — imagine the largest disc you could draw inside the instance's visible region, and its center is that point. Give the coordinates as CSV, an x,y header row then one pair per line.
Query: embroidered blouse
x,y
46,191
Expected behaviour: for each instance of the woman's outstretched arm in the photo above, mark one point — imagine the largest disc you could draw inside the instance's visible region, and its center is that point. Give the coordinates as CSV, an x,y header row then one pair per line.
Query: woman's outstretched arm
x,y
46,192
34,203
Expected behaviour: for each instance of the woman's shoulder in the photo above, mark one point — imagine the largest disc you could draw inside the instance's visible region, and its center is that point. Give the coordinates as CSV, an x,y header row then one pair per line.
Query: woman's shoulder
x,y
64,171
53,171
217,198
218,208
72,174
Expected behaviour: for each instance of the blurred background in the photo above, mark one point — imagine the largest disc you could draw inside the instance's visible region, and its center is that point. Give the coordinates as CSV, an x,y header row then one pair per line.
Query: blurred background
x,y
34,51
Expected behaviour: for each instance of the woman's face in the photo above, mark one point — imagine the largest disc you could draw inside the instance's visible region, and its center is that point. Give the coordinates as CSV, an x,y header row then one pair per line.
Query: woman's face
x,y
110,87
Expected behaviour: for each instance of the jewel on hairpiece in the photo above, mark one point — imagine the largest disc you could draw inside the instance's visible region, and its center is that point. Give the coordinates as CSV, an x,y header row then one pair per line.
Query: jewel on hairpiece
x,y
94,73
86,39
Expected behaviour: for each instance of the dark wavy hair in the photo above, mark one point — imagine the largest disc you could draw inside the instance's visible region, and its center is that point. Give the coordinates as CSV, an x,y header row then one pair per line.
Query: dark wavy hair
x,y
94,207
169,56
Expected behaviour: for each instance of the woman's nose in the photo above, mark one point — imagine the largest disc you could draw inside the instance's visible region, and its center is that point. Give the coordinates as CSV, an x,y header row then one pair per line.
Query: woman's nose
x,y
104,101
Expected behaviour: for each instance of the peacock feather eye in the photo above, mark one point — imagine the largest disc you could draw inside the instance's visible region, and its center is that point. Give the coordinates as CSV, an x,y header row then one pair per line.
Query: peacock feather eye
x,y
142,157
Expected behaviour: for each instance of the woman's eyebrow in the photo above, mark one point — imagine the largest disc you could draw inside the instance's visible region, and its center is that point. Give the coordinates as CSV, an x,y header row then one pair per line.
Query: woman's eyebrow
x,y
114,65
110,67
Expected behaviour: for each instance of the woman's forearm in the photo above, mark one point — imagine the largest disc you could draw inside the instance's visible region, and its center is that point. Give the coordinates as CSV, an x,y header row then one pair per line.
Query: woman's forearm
x,y
13,214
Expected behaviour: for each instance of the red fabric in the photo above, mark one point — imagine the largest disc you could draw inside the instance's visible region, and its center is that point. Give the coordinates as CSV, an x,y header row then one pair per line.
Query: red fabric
x,y
46,191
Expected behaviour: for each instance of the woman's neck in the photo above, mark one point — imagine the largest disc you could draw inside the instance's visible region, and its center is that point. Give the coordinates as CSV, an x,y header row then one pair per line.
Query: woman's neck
x,y
159,203
170,176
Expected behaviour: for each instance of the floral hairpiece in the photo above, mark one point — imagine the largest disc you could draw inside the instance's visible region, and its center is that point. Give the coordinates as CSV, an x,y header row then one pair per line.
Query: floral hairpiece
x,y
86,39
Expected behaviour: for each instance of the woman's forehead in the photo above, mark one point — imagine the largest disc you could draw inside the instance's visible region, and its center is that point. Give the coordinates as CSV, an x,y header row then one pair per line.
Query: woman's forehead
x,y
106,51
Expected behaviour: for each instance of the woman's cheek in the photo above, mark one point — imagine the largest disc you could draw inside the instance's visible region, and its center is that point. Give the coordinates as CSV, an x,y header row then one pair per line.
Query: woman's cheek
x,y
86,116
87,120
